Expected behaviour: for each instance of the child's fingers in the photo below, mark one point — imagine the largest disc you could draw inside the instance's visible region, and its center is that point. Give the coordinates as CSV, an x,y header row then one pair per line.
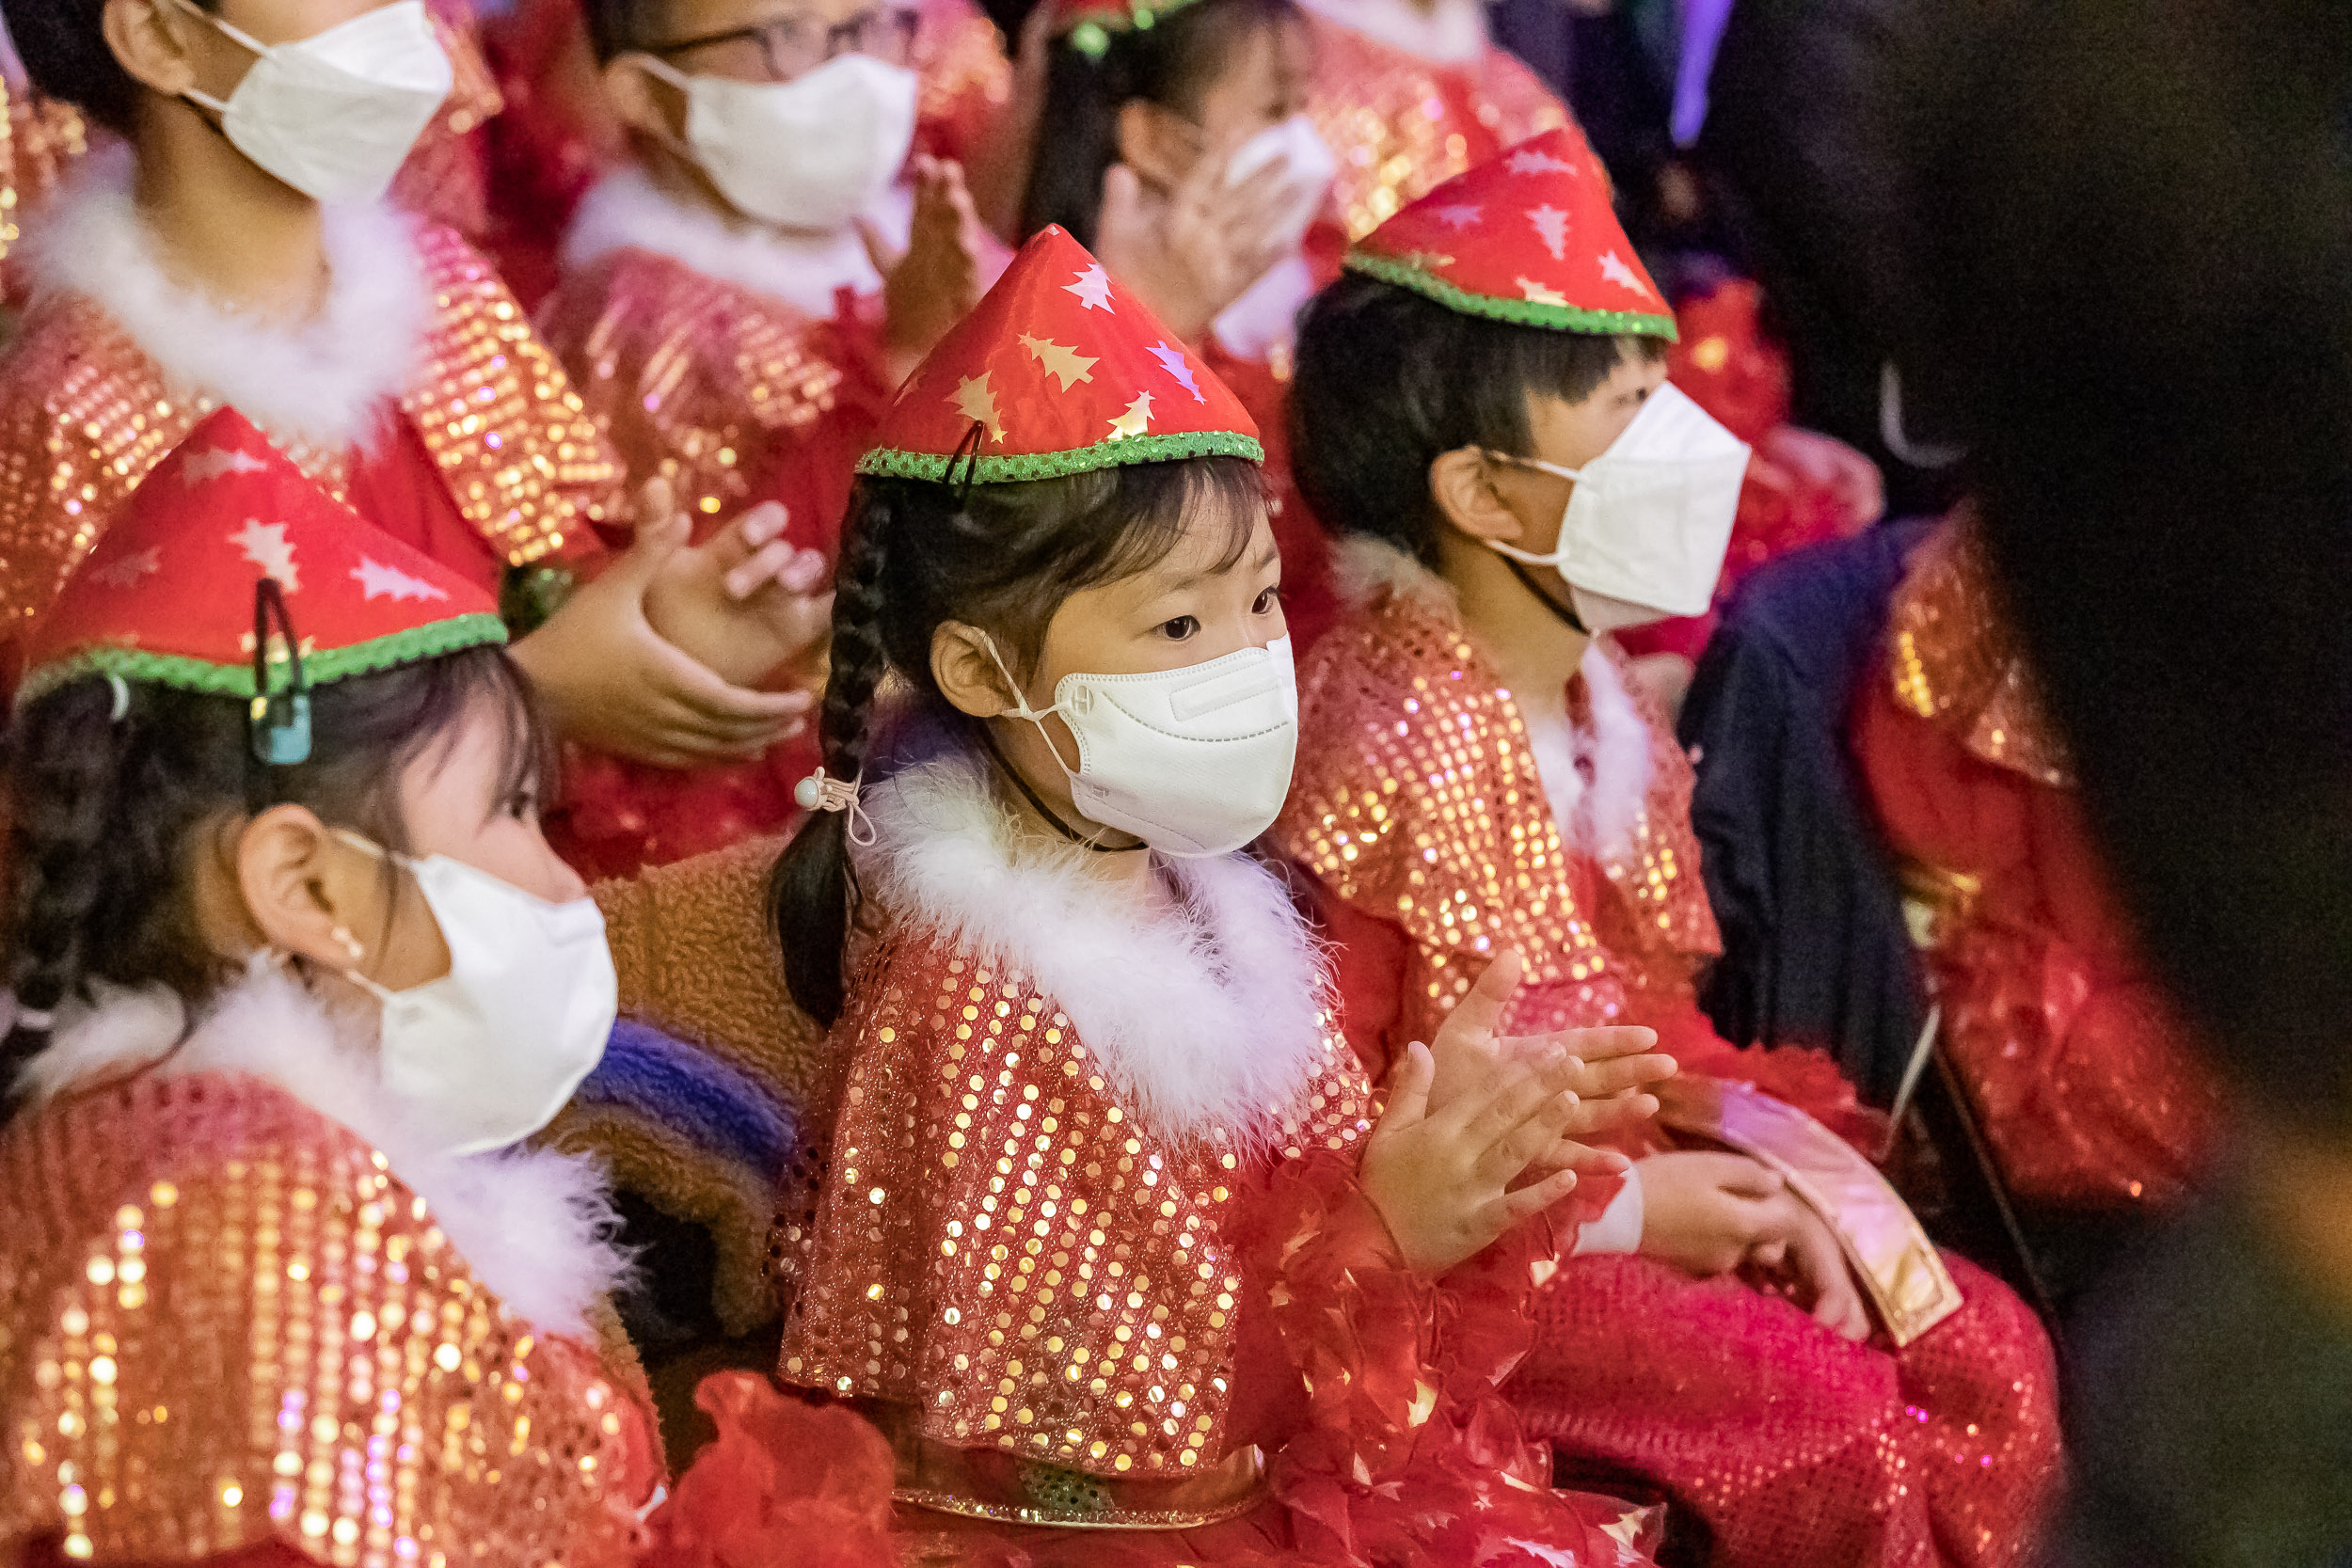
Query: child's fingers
x,y
1476,1015
1589,1046
1601,1080
1485,1112
1623,1109
1408,1089
1524,1146
1499,1215
1567,1153
765,566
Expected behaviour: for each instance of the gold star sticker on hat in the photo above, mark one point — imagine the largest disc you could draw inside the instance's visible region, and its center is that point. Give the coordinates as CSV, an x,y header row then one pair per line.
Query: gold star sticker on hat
x,y
975,401
1136,421
1536,293
1065,365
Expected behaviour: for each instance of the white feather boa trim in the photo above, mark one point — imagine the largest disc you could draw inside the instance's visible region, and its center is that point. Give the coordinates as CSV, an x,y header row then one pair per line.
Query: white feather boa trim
x,y
1213,1021
534,1226
330,382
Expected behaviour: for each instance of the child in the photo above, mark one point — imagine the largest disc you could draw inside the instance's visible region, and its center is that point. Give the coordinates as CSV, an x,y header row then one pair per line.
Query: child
x,y
235,253
2083,1077
1112,1215
722,310
293,970
1479,414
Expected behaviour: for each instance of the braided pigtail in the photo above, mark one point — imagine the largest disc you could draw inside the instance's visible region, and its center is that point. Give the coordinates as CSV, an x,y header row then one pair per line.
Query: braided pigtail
x,y
814,895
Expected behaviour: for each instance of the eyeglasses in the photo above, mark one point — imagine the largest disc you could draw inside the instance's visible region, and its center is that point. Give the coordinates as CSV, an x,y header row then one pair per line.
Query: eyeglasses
x,y
794,45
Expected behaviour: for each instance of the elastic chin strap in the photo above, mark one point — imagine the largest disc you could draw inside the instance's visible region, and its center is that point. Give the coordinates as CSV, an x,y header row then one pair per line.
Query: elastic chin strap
x,y
1565,614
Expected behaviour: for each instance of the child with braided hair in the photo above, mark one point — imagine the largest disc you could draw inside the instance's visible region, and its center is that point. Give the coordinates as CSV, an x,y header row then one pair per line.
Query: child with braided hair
x,y
1114,1231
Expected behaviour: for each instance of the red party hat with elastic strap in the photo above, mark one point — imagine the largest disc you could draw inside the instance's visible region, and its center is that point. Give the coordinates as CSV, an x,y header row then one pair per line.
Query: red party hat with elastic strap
x,y
169,596
1528,237
1057,371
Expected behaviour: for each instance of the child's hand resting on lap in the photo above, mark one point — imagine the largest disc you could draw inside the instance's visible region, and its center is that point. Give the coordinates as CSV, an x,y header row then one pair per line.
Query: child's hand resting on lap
x,y
1710,1214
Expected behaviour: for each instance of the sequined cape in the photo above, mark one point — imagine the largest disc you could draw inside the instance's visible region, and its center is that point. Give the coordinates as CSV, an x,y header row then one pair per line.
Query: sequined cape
x,y
225,1323
1402,124
85,413
2081,1069
1795,1446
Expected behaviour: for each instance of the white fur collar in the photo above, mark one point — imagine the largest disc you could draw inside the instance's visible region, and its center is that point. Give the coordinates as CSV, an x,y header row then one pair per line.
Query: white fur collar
x,y
1443,32
330,383
1614,744
1213,1022
626,210
534,1226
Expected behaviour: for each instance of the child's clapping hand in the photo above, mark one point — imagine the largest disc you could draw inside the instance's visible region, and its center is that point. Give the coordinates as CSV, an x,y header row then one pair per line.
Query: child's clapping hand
x,y
744,603
1607,1070
1444,1179
935,281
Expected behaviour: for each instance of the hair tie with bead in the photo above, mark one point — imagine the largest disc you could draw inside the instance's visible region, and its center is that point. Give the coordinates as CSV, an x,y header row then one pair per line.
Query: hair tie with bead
x,y
818,792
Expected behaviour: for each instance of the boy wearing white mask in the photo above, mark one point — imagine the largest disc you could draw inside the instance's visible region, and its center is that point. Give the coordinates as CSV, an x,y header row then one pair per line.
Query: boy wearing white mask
x,y
293,974
740,297
237,252
1482,416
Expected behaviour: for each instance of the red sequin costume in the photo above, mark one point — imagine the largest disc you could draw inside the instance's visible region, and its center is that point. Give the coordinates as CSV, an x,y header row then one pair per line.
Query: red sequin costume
x,y
2082,1078
233,1328
1079,1285
431,405
1419,809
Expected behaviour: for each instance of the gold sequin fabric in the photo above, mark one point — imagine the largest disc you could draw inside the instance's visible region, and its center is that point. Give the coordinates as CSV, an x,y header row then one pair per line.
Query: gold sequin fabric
x,y
1400,125
85,413
1416,799
40,140
1956,659
1005,1247
694,378
223,1322
446,175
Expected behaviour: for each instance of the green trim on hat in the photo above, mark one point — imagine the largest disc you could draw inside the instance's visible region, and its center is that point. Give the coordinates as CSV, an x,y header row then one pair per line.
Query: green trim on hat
x,y
1519,312
890,463
413,646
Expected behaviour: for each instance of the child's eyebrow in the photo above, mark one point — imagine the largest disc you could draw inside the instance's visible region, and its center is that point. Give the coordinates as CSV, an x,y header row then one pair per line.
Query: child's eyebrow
x,y
1267,557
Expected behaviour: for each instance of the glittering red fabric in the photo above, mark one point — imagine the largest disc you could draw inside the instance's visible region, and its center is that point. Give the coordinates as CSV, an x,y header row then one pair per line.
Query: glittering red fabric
x,y
1794,1446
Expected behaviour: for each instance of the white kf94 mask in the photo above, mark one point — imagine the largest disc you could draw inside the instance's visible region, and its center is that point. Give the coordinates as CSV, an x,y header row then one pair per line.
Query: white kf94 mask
x,y
1643,535
1194,761
335,114
490,1051
810,153
1308,171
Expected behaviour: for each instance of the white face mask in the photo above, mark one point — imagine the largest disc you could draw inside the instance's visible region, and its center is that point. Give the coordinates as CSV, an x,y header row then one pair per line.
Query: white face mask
x,y
1643,535
810,153
1308,171
335,114
1194,761
491,1050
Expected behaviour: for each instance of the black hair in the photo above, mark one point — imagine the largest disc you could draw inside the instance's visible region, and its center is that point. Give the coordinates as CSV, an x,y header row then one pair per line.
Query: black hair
x,y
916,554
104,813
1388,380
64,48
617,26
1171,63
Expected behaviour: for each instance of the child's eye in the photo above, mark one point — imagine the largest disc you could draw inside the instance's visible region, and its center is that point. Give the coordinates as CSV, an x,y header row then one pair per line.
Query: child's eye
x,y
1266,601
1179,629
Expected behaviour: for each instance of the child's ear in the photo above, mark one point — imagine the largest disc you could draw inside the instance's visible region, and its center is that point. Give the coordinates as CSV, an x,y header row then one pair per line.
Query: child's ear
x,y
151,50
967,676
1462,483
638,100
300,890
1149,144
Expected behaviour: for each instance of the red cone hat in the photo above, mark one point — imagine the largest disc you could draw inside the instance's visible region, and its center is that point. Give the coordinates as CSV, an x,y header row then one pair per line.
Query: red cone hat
x,y
1058,370
168,595
1528,237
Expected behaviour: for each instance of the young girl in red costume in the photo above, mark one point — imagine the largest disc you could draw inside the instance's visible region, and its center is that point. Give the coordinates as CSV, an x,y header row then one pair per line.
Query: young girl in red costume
x,y
1480,413
1115,1232
293,972
236,252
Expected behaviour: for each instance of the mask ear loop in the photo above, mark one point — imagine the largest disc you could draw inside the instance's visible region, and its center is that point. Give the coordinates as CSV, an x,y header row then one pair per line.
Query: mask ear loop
x,y
1515,559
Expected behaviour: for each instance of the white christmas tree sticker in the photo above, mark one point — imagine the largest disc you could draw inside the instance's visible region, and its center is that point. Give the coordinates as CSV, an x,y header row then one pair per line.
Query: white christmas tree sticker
x,y
1092,287
1536,293
378,581
1065,365
1613,268
1552,227
1528,160
1173,361
266,546
126,573
974,400
1135,420
1459,216
213,462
